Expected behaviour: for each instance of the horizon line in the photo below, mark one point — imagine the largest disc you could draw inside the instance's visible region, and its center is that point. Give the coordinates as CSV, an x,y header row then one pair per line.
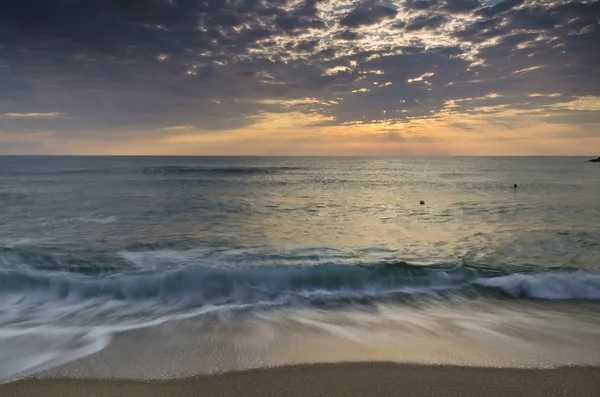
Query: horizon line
x,y
283,156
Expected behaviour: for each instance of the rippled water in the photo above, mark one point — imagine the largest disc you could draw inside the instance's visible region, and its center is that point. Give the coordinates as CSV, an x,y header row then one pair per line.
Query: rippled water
x,y
91,247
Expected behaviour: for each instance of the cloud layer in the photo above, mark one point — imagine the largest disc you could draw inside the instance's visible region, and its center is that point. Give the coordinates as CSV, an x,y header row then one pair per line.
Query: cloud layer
x,y
150,69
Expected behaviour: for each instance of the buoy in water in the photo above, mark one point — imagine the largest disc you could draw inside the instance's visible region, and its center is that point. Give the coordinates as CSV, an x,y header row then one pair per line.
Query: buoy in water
x,y
422,202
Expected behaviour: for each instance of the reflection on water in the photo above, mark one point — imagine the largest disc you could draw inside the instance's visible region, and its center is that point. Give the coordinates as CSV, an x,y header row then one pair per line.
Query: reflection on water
x,y
471,207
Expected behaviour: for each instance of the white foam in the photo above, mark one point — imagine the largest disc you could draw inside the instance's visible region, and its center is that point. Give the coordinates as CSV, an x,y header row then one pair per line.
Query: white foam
x,y
553,286
25,352
41,342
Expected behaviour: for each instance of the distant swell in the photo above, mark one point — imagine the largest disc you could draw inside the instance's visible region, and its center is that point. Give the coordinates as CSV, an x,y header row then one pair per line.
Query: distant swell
x,y
176,170
83,171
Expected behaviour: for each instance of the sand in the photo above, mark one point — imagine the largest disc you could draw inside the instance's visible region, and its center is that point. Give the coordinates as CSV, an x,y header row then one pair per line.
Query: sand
x,y
348,379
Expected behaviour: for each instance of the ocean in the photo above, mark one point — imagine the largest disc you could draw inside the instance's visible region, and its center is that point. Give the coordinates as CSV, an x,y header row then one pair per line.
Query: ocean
x,y
165,267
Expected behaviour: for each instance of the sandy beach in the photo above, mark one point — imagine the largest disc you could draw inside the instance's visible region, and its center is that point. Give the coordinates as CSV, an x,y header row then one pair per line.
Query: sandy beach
x,y
350,379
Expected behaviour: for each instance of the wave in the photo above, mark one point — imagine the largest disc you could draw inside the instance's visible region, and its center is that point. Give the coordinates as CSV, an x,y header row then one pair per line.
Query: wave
x,y
552,286
198,286
50,318
177,169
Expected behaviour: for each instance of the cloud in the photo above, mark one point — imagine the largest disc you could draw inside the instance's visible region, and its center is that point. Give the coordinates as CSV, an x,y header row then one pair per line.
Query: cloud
x,y
461,6
499,8
532,18
347,35
426,22
585,103
420,4
367,13
135,69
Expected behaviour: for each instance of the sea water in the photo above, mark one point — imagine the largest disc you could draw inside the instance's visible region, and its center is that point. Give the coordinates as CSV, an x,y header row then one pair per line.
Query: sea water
x,y
146,267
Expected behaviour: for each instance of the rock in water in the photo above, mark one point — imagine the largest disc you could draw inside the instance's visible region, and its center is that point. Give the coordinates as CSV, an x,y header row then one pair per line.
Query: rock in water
x,y
595,160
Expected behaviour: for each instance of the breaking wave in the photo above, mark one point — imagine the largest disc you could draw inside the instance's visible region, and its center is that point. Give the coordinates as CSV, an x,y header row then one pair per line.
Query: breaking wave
x,y
197,286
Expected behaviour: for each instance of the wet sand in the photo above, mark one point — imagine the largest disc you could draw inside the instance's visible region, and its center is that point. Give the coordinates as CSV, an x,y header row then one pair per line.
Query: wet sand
x,y
348,379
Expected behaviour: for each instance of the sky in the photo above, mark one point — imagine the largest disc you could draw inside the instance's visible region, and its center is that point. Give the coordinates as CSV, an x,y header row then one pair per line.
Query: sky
x,y
300,77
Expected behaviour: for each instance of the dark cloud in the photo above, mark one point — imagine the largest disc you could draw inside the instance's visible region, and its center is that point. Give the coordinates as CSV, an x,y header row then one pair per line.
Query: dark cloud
x,y
420,4
532,18
103,26
426,22
297,25
399,25
307,45
449,6
309,8
120,27
461,6
499,8
518,38
367,13
577,9
452,6
482,30
347,35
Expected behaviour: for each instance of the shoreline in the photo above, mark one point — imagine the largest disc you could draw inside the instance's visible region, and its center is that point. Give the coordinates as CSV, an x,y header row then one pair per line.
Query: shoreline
x,y
477,334
334,379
